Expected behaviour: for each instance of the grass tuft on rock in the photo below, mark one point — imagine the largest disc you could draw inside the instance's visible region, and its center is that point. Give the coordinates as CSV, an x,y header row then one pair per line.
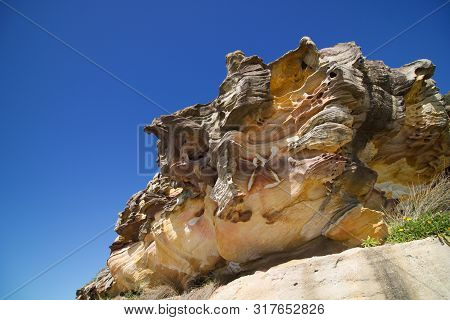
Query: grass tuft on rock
x,y
425,213
370,242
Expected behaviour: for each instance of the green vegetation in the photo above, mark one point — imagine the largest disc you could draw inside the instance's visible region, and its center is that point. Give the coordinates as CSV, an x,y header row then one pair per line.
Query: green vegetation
x,y
132,295
425,225
370,242
425,213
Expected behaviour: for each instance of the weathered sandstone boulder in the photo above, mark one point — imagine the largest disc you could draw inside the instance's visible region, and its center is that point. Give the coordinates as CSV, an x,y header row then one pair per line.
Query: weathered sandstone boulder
x,y
414,270
312,145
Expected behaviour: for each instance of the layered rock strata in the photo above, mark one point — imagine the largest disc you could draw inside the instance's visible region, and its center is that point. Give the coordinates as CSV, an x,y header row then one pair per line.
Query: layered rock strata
x,y
314,144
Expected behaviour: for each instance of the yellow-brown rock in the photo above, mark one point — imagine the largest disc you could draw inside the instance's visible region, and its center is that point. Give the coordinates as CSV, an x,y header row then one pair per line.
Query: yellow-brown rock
x,y
357,223
313,144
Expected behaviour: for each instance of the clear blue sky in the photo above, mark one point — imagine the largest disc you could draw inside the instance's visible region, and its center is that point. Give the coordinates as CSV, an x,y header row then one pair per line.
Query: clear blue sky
x,y
68,130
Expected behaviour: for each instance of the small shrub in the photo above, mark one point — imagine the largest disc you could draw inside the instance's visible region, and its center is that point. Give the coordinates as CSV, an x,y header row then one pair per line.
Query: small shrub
x,y
370,242
424,199
158,293
202,292
425,225
424,213
132,295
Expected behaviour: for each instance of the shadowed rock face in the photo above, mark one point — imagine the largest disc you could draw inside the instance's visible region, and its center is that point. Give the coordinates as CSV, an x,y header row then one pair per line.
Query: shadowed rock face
x,y
310,145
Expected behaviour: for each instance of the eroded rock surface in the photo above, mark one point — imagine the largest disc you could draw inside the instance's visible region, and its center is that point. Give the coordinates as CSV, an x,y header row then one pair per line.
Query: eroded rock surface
x,y
313,144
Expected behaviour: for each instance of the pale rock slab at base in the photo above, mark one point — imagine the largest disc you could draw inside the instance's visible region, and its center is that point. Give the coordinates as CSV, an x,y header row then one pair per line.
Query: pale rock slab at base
x,y
414,270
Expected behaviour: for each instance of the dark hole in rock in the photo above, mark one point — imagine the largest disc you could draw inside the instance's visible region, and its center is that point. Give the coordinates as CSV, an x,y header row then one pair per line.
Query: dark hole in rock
x,y
304,65
245,215
333,74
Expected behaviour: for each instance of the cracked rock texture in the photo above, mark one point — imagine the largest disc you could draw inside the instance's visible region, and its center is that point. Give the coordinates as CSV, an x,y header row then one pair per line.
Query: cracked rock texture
x,y
414,270
311,145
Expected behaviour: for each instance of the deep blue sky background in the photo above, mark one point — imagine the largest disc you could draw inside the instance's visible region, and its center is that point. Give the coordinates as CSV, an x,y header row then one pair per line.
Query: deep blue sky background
x,y
68,130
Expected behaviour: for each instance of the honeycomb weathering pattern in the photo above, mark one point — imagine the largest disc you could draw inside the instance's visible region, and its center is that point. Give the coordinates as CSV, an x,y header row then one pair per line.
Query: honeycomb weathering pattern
x,y
311,145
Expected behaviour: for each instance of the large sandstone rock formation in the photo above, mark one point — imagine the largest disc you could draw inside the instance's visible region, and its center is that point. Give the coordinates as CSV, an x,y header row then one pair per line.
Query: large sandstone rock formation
x,y
312,145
